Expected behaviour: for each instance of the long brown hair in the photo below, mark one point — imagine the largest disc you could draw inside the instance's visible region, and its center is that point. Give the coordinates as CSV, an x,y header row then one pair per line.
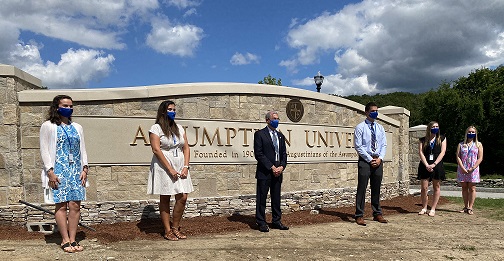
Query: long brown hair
x,y
52,114
428,133
168,126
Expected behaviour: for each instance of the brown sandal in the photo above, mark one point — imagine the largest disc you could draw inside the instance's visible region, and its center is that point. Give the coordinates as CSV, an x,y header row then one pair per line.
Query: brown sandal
x,y
170,236
178,234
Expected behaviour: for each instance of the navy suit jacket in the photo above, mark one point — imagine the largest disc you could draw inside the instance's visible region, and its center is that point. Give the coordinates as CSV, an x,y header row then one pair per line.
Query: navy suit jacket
x,y
264,153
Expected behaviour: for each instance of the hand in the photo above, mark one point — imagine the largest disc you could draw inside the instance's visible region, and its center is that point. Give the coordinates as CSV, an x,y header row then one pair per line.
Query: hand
x,y
375,162
83,178
173,173
469,170
184,173
53,180
430,167
279,171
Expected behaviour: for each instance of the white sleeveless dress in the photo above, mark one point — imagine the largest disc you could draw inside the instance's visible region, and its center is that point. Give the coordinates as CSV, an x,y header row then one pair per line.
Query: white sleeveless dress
x,y
160,181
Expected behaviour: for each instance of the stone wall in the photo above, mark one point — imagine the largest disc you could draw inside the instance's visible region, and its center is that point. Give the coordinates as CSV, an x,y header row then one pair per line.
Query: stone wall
x,y
118,192
415,133
12,81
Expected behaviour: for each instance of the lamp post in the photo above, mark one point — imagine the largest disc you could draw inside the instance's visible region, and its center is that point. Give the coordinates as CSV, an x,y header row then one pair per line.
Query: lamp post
x,y
319,79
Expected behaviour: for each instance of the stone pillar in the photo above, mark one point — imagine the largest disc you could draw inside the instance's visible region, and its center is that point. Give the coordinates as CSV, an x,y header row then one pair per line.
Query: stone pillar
x,y
12,80
403,146
415,133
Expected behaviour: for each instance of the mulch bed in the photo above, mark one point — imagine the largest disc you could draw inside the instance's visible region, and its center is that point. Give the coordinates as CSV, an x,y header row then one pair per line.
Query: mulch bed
x,y
152,229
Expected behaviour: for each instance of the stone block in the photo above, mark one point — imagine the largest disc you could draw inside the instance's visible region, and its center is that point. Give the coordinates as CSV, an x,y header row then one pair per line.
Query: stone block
x,y
4,178
42,227
14,195
217,113
132,178
208,187
3,196
28,158
102,173
9,114
91,191
30,142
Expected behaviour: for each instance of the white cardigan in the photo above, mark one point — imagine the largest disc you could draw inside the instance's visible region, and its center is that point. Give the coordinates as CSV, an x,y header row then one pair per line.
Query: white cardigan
x,y
48,134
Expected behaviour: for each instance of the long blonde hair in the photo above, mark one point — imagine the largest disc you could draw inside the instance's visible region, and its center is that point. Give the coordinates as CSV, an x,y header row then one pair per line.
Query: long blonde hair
x,y
475,140
428,133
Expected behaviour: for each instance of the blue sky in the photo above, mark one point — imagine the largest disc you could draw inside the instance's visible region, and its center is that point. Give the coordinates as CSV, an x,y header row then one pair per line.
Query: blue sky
x,y
361,47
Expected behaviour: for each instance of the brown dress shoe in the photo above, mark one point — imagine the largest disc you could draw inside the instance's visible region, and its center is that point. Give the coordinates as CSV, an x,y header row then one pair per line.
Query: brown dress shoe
x,y
380,219
360,221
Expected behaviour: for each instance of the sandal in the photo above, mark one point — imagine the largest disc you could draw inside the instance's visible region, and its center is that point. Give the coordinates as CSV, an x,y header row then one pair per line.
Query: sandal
x,y
432,213
178,234
170,236
76,246
470,211
423,211
67,248
463,210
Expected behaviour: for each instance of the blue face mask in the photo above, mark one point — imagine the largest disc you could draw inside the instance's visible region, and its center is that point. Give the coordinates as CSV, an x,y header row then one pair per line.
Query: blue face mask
x,y
65,112
434,130
471,135
171,115
373,115
274,123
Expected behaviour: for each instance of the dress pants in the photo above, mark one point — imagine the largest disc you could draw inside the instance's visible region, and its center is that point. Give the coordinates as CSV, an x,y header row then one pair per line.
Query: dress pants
x,y
263,185
375,175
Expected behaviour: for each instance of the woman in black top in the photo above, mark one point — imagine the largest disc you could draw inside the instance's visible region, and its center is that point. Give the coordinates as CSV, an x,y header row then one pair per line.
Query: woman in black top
x,y
432,149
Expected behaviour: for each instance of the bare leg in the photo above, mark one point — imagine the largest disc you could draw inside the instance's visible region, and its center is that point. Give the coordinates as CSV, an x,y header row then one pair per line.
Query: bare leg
x,y
164,211
471,195
465,193
61,220
73,221
178,209
424,183
436,186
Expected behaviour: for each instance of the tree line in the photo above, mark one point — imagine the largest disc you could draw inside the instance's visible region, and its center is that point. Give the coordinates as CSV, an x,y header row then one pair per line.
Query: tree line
x,y
476,99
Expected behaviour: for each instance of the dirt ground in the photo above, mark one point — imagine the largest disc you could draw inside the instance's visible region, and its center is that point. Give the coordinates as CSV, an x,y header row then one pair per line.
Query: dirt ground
x,y
330,235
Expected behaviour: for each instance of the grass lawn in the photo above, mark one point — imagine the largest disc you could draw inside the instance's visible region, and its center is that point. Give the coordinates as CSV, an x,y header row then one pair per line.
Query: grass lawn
x,y
489,207
451,172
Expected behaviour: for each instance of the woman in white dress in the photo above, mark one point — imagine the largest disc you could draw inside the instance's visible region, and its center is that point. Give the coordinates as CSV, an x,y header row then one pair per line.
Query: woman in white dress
x,y
169,171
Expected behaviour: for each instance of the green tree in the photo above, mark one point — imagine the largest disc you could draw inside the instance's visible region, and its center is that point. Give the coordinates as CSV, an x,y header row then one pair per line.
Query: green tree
x,y
270,81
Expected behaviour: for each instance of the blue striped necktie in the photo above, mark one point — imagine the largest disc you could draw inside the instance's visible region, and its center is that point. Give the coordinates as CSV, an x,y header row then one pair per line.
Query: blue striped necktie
x,y
373,138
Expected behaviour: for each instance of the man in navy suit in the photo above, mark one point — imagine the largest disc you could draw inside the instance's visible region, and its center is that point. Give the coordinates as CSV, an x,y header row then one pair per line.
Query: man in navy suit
x,y
271,155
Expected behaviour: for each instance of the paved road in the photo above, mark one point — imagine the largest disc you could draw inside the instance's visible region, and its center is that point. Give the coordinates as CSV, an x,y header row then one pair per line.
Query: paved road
x,y
451,191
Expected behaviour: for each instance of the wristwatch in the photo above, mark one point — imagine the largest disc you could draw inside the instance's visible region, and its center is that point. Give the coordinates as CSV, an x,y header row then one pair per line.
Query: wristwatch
x,y
187,167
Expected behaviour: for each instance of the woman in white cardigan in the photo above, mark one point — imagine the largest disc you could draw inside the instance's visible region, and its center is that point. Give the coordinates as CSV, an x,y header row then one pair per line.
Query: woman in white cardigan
x,y
64,176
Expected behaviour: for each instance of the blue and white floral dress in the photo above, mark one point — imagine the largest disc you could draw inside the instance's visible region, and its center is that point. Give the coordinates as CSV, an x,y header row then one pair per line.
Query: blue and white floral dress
x,y
68,165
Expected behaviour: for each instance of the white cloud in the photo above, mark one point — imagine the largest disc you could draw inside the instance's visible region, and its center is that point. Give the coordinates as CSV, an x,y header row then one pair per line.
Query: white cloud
x,y
75,69
182,4
95,24
337,84
190,12
291,65
181,40
402,45
242,59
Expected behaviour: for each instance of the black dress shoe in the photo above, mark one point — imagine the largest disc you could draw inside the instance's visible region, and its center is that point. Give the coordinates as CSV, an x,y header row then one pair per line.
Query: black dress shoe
x,y
264,228
279,225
